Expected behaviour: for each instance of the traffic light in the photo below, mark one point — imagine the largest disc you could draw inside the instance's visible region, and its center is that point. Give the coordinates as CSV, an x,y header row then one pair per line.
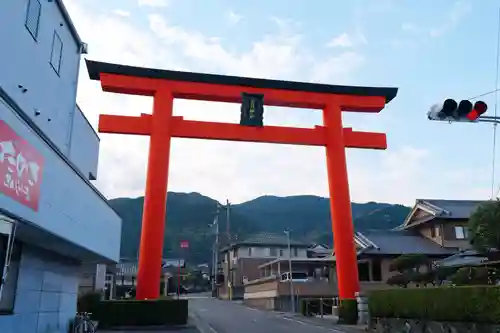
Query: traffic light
x,y
463,111
252,110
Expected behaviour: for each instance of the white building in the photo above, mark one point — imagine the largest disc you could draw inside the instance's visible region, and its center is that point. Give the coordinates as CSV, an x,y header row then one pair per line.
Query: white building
x,y
52,219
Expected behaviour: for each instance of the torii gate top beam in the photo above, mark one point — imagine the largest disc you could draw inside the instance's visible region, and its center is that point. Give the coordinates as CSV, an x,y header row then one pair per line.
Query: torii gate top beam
x,y
223,88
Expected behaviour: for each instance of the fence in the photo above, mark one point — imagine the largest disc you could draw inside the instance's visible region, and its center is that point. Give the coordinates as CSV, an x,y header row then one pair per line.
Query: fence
x,y
318,306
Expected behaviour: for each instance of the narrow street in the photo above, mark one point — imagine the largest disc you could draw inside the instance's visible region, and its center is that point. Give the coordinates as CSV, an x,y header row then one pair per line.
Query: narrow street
x,y
216,316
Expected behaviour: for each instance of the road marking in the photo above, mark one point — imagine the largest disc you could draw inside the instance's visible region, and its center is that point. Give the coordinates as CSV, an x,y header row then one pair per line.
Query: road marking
x,y
202,325
311,324
295,321
253,309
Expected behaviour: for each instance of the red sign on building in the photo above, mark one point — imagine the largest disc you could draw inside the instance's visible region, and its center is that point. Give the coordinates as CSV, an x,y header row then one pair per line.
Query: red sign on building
x,y
21,168
184,244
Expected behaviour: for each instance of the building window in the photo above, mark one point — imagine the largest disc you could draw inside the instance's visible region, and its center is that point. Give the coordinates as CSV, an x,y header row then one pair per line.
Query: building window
x,y
33,17
461,232
249,251
9,270
364,271
56,54
433,231
376,270
295,252
273,252
281,253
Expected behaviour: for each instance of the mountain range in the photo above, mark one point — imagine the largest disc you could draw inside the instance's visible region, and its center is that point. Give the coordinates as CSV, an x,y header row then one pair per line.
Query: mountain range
x,y
189,216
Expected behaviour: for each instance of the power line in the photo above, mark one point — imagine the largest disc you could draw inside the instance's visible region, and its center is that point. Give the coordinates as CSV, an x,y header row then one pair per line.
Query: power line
x,y
484,94
496,111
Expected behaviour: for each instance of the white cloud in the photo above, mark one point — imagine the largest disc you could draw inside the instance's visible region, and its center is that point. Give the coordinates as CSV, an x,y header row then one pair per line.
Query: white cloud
x,y
457,13
347,40
121,12
153,3
337,68
415,34
233,17
239,171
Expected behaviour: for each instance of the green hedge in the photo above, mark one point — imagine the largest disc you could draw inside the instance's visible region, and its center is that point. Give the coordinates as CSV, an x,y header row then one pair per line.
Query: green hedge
x,y
130,312
478,304
348,312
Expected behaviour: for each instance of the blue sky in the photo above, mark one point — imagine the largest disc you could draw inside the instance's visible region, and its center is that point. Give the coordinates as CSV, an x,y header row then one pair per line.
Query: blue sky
x,y
430,50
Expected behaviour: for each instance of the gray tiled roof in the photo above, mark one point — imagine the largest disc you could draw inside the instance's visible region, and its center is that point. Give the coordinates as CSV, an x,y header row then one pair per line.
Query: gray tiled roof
x,y
455,209
271,239
463,258
393,242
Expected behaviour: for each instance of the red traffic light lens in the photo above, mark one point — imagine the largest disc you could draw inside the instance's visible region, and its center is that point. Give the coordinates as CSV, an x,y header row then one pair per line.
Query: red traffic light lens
x,y
480,107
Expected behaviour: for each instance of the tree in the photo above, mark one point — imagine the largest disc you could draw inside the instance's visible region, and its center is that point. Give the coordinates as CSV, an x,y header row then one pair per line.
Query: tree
x,y
408,266
408,262
484,227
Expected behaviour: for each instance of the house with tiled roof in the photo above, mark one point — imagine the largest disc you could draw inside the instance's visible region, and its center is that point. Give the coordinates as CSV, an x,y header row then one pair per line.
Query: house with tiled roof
x,y
241,259
435,228
442,221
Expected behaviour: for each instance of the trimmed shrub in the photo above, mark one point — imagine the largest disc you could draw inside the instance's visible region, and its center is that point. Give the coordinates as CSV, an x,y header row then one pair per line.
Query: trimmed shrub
x,y
474,276
477,304
88,302
159,312
348,312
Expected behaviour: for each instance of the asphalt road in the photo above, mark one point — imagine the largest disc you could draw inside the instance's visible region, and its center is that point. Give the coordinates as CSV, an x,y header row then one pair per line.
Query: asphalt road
x,y
216,316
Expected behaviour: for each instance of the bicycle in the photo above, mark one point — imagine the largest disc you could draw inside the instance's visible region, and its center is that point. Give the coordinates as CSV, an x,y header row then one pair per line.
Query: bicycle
x,y
83,323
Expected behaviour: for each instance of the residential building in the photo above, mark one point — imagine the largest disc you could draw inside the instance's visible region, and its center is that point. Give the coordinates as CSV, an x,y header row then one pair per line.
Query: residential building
x,y
319,251
376,249
442,221
53,221
240,261
435,228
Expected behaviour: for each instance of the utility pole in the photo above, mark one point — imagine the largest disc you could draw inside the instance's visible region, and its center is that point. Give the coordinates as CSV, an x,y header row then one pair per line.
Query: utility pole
x,y
228,221
229,268
215,251
292,298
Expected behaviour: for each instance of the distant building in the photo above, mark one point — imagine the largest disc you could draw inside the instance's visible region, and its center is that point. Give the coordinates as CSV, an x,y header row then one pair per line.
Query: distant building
x,y
240,260
53,222
124,273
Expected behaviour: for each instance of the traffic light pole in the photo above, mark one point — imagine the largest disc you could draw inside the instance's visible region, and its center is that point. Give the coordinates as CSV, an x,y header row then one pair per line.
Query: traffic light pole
x,y
483,119
488,119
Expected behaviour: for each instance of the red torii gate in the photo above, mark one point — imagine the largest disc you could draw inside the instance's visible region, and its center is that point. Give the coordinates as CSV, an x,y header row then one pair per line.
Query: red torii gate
x,y
161,126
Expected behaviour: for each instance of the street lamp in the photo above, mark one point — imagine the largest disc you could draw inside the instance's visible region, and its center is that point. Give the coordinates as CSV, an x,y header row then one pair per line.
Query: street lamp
x,y
292,298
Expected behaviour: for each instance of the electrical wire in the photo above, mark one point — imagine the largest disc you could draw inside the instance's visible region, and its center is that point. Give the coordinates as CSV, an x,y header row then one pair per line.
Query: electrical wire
x,y
496,112
484,94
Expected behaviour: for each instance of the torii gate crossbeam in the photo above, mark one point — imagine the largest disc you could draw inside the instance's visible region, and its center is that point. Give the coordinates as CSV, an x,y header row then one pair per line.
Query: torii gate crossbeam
x,y
161,126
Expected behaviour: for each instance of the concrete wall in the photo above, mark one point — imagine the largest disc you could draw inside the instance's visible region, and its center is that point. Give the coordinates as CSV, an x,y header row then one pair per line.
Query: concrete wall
x,y
84,145
46,293
49,97
26,62
69,207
